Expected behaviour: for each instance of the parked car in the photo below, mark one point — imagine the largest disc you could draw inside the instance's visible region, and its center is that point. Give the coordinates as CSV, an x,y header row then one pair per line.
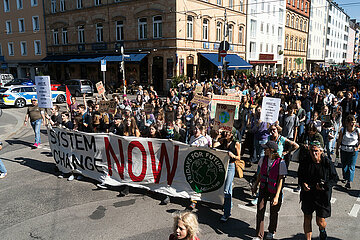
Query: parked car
x,y
5,78
54,85
20,81
78,87
20,96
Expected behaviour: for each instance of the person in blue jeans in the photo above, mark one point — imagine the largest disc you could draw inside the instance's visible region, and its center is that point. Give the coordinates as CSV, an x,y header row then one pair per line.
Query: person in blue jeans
x,y
3,171
229,142
37,117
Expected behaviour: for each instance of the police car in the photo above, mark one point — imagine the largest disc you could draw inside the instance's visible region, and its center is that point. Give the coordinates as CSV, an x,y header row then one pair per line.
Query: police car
x,y
20,96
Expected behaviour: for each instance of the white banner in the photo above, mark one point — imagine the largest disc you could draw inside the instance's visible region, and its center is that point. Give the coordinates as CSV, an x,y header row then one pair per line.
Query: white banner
x,y
164,166
270,109
43,91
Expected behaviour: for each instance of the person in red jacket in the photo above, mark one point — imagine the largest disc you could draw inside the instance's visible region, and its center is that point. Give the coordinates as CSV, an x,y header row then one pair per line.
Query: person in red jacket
x,y
271,177
186,227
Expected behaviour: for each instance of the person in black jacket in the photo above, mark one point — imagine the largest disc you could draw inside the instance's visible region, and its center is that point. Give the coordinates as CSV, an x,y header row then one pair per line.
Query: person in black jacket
x,y
317,176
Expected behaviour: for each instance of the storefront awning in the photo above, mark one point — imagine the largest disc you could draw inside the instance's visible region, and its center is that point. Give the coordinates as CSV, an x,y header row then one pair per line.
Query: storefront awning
x,y
72,59
133,57
263,62
234,61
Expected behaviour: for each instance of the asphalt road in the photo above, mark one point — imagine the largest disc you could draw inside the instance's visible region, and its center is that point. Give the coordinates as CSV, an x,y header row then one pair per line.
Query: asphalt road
x,y
36,204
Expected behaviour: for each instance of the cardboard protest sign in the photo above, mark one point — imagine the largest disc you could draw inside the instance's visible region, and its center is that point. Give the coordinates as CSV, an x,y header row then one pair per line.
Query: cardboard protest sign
x,y
230,92
103,106
148,108
43,91
112,107
100,88
270,109
198,89
231,100
224,117
201,100
168,167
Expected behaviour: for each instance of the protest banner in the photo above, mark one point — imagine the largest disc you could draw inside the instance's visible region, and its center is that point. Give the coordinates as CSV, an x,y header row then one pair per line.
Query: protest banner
x,y
224,117
148,108
43,91
100,88
231,100
201,100
270,109
160,165
230,92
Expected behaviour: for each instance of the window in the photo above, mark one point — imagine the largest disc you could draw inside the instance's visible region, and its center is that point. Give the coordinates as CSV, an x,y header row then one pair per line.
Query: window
x,y
119,30
281,14
302,5
287,20
231,3
81,36
261,27
36,23
267,47
262,5
205,30
291,43
56,36
37,47
292,21
21,25
280,33
231,30
8,27
268,28
79,4
19,4
301,25
241,33
298,4
34,3
296,44
304,45
11,49
142,23
297,23
62,6
261,48
241,5
306,7
97,2
300,44
64,36
219,2
252,49
6,6
218,31
189,27
157,27
286,42
253,28
53,6
305,26
23,48
99,32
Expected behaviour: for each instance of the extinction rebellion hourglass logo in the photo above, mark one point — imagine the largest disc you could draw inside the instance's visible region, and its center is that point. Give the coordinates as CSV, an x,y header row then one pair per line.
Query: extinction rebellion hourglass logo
x,y
204,171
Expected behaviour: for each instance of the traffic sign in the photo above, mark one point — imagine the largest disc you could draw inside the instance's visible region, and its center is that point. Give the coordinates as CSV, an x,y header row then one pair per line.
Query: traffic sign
x,y
223,53
103,65
226,47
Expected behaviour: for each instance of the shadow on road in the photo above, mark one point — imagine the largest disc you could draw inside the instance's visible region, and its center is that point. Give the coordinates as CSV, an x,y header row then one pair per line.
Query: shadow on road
x,y
37,165
19,142
302,236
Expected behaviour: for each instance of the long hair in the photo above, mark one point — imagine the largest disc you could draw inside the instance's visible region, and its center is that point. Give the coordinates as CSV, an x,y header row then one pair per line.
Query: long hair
x,y
131,130
190,221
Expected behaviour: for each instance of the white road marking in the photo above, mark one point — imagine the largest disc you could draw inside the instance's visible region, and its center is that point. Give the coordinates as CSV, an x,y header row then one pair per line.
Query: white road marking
x,y
333,200
250,209
354,211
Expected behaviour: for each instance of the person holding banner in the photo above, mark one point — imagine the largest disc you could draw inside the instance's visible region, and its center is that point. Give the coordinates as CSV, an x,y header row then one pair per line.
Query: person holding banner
x,y
229,142
271,178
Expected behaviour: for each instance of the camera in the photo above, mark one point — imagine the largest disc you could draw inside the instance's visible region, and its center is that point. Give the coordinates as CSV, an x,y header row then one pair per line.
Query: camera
x,y
322,184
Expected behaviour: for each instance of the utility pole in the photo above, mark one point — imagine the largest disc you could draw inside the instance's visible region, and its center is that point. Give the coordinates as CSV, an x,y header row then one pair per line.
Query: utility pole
x,y
123,67
223,58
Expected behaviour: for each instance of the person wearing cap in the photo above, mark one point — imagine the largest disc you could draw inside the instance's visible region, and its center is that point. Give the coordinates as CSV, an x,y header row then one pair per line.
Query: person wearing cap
x,y
317,175
37,116
270,177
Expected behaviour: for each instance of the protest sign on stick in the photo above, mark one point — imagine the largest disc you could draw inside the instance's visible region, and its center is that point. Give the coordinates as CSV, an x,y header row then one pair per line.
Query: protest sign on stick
x,y
100,88
148,108
201,100
270,109
198,90
43,91
224,117
112,107
231,100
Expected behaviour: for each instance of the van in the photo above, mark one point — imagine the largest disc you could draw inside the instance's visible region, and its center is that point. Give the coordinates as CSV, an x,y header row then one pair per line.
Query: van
x,y
5,78
78,87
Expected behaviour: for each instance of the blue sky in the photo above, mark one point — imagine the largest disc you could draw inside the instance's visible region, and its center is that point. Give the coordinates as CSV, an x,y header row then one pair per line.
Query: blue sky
x,y
353,9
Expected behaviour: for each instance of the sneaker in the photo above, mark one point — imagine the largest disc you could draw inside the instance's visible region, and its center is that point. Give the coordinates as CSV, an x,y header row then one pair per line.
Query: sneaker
x,y
79,177
35,145
323,235
60,176
71,177
192,206
254,202
101,185
270,235
297,189
166,201
2,175
224,218
347,185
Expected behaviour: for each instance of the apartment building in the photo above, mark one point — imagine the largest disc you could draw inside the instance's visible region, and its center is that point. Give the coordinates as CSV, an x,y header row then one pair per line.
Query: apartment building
x,y
317,35
22,41
296,35
162,38
265,35
356,41
351,43
337,35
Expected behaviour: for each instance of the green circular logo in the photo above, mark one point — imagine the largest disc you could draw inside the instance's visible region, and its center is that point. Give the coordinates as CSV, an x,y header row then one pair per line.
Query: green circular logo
x,y
224,117
204,171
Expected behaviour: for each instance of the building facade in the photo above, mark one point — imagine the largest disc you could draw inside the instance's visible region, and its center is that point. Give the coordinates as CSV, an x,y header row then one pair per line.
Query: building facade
x,y
296,35
163,38
357,41
265,35
351,43
337,35
317,35
22,42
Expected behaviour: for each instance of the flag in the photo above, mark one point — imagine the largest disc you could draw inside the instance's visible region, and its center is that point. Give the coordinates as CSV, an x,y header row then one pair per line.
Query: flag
x,y
68,96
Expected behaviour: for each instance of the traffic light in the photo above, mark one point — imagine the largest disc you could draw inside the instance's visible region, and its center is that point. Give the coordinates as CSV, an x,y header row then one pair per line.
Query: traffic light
x,y
226,66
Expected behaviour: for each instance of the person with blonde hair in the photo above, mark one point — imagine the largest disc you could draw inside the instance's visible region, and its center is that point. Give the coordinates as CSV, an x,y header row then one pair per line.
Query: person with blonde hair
x,y
186,227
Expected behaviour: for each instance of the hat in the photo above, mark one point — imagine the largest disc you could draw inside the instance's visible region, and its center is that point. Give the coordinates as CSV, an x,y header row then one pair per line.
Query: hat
x,y
124,95
316,143
270,144
32,99
117,116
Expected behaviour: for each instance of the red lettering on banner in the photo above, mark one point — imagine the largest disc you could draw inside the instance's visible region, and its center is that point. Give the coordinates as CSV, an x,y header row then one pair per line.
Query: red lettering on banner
x,y
108,150
164,154
141,177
